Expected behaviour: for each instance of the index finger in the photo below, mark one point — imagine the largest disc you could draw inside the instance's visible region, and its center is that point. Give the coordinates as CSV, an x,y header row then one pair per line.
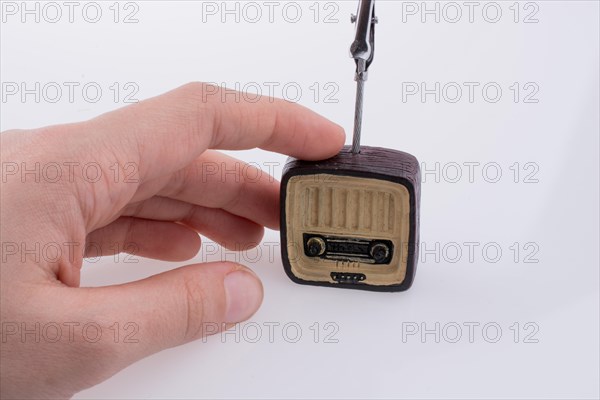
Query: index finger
x,y
166,133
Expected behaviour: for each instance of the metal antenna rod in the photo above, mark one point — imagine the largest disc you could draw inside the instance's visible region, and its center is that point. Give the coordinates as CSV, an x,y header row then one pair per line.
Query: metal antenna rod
x,y
362,50
360,86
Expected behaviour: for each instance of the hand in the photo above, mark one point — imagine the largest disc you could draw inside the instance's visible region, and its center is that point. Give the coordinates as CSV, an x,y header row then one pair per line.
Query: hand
x,y
134,177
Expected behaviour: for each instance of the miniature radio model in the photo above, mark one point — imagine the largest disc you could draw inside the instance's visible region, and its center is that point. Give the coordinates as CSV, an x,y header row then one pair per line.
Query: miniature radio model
x,y
352,221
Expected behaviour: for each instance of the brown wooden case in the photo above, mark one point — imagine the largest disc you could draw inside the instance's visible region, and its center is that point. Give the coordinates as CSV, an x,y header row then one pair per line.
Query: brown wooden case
x,y
352,221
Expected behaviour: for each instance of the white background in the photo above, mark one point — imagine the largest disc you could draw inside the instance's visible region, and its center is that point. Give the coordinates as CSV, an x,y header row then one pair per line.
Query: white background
x,y
551,211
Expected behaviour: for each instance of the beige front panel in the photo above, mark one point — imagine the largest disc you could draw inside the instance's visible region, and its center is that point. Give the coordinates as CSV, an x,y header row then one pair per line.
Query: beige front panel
x,y
348,207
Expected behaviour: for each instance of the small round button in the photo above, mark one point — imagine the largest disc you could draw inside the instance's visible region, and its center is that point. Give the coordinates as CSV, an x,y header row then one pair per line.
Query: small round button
x,y
315,246
380,252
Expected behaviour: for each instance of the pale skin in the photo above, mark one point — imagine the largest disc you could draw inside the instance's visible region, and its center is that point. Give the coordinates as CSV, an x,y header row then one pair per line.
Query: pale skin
x,y
160,210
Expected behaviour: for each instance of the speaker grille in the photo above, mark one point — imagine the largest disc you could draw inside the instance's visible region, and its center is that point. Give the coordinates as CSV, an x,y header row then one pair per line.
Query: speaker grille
x,y
349,209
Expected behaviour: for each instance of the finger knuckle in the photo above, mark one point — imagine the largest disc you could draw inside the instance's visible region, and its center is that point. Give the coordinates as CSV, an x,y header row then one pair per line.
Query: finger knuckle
x,y
195,301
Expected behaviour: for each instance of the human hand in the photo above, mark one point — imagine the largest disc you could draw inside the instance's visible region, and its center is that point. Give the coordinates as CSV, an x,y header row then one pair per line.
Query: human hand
x,y
157,206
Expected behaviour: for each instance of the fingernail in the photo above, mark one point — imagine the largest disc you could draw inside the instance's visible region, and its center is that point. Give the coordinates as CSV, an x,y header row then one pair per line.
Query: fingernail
x,y
244,294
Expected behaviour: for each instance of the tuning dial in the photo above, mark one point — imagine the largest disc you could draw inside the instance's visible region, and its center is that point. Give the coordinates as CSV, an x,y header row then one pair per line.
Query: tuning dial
x,y
380,252
315,246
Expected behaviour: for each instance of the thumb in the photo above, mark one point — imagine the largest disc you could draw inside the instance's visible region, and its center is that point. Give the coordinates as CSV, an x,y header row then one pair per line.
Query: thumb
x,y
178,306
